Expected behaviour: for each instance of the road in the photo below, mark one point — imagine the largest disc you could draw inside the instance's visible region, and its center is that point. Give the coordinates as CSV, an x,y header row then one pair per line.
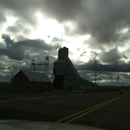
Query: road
x,y
102,110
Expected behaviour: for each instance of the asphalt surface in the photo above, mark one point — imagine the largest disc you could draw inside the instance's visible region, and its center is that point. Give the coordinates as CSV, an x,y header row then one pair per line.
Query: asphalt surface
x,y
101,110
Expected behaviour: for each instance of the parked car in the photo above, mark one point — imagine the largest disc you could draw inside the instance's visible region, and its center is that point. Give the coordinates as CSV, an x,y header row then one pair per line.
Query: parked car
x,y
55,90
77,91
121,92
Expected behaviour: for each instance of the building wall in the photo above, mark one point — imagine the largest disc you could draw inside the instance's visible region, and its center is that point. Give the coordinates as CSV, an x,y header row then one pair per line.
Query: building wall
x,y
20,81
40,86
62,53
60,67
74,82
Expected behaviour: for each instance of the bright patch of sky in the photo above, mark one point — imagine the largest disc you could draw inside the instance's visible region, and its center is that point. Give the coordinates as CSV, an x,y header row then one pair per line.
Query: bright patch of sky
x,y
70,25
121,49
10,20
123,31
46,29
77,47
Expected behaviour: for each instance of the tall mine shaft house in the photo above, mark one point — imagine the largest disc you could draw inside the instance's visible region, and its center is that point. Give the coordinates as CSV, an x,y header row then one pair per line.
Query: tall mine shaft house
x,y
66,75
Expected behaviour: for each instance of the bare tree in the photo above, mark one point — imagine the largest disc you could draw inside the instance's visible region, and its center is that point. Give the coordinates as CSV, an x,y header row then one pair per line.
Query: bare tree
x,y
13,70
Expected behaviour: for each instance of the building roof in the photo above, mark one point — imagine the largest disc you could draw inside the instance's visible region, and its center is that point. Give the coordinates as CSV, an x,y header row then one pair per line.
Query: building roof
x,y
72,66
87,80
35,76
60,61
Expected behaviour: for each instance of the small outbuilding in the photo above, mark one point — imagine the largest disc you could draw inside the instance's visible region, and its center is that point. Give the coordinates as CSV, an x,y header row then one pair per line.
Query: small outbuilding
x,y
28,80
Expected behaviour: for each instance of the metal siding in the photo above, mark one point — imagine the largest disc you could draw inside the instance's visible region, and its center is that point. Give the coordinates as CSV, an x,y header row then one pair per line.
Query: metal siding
x,y
59,65
35,76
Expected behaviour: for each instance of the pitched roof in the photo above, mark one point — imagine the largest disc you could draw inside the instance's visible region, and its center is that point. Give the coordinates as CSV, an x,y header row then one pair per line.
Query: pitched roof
x,y
86,80
72,66
35,76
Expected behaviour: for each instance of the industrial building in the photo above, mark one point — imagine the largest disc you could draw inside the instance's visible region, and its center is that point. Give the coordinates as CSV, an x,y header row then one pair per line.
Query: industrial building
x,y
65,74
29,80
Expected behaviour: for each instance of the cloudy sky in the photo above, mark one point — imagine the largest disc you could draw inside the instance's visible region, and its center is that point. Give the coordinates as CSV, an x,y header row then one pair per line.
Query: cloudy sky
x,y
97,32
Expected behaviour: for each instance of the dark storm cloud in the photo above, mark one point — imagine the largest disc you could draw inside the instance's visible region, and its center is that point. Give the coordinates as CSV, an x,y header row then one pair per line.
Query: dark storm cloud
x,y
2,17
103,77
110,56
20,38
102,19
14,52
23,9
12,29
18,27
63,10
125,57
101,67
19,50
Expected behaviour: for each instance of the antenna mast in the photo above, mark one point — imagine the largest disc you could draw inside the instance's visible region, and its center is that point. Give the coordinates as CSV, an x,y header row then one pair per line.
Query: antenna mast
x,y
33,65
46,64
61,40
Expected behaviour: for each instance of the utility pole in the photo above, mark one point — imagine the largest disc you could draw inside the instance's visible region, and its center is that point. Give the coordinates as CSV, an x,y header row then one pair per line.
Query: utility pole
x,y
61,40
96,77
95,61
95,72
